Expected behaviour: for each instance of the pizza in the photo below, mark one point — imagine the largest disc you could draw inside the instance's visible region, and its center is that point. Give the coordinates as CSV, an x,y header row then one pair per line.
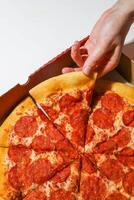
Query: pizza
x,y
70,139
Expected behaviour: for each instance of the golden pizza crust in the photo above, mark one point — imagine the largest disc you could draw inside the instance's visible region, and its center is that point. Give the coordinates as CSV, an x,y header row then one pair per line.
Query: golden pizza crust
x,y
121,89
6,192
65,82
22,109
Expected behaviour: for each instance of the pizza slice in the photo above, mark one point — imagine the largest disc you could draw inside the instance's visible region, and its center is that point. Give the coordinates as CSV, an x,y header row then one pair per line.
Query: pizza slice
x,y
117,175
108,127
110,139
28,127
92,186
64,183
23,170
103,177
32,151
66,100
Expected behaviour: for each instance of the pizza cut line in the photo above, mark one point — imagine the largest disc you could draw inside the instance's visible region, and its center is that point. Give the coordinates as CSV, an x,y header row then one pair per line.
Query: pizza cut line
x,y
85,152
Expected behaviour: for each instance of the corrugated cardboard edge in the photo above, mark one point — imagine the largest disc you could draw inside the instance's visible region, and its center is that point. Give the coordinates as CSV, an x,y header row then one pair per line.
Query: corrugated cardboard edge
x,y
126,68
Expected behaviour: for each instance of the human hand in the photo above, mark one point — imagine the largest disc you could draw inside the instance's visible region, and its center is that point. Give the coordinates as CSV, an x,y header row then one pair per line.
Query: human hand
x,y
102,50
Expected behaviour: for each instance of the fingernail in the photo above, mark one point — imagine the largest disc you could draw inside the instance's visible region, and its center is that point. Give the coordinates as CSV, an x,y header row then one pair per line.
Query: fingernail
x,y
76,42
86,70
63,70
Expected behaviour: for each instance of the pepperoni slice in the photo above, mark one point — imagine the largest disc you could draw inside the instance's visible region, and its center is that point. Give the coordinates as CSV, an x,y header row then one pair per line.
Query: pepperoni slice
x,y
112,169
53,133
62,194
112,102
24,178
92,188
126,157
89,134
18,179
41,170
35,195
26,126
128,118
116,196
105,147
68,101
79,121
103,118
62,176
128,182
64,145
13,178
19,153
66,150
122,138
88,166
126,160
41,144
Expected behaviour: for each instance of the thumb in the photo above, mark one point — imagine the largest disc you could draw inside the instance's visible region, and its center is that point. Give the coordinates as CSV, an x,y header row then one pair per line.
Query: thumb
x,y
93,59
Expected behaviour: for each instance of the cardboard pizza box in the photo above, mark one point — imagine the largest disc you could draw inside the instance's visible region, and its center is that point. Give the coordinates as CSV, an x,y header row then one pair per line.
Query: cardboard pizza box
x,y
54,67
126,68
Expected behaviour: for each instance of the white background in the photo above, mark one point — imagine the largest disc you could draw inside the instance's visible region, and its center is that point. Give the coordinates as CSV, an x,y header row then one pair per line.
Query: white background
x,y
34,31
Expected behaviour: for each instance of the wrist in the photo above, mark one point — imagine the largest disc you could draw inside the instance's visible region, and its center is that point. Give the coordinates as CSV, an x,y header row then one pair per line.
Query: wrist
x,y
126,8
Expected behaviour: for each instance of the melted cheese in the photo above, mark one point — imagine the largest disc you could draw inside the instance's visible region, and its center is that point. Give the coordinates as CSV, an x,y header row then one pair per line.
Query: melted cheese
x,y
52,157
69,128
118,123
100,158
33,156
112,186
60,118
47,187
9,163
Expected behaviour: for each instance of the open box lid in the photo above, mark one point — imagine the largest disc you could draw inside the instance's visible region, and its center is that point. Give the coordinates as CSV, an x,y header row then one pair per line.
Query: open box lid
x,y
54,67
126,68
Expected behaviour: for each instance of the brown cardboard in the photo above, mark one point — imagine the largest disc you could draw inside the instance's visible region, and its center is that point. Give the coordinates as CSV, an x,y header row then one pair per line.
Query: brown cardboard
x,y
126,68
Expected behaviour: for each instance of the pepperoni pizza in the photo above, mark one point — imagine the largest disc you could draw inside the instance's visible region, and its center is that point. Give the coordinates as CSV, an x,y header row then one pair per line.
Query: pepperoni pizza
x,y
79,150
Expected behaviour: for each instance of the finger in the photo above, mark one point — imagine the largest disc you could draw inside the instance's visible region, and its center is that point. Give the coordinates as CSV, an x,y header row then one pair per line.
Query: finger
x,y
83,50
78,69
67,70
76,55
84,57
93,59
112,63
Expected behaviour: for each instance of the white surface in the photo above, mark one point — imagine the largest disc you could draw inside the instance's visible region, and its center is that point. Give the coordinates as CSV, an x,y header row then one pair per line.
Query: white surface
x,y
34,31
